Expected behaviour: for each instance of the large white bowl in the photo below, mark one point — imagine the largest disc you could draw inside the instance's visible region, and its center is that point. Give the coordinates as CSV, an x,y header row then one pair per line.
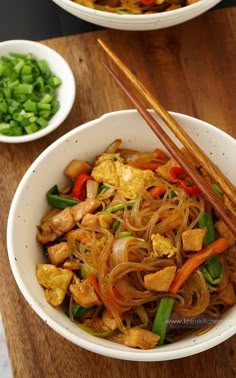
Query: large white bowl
x,y
29,204
59,67
136,22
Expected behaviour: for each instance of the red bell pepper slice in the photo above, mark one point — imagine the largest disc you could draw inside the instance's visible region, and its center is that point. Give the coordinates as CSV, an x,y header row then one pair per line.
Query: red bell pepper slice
x,y
79,190
147,2
175,172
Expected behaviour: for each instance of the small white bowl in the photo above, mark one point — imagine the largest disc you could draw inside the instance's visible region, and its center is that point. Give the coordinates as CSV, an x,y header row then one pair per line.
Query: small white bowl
x,y
136,22
29,205
59,67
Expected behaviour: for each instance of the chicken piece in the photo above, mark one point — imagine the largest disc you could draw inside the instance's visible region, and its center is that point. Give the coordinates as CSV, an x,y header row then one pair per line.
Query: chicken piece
x,y
84,294
128,181
55,226
225,232
81,209
161,280
90,220
55,280
108,321
141,338
162,246
75,167
164,170
58,253
193,239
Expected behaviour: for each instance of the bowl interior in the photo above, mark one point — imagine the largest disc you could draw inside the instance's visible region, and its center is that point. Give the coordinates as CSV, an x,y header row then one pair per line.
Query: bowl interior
x,y
59,67
29,204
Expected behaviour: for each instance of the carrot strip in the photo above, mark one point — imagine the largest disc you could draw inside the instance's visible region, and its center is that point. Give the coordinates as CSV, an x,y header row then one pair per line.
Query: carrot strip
x,y
182,274
95,284
144,165
161,154
157,191
117,293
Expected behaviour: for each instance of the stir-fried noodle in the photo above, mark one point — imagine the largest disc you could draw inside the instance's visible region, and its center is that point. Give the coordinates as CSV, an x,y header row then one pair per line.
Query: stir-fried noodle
x,y
135,6
129,240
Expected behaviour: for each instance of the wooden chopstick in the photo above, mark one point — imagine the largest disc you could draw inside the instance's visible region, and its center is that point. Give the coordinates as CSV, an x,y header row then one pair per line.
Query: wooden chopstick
x,y
215,201
213,171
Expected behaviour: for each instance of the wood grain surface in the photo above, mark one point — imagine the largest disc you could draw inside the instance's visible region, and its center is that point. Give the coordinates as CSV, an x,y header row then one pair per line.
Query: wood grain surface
x,y
191,69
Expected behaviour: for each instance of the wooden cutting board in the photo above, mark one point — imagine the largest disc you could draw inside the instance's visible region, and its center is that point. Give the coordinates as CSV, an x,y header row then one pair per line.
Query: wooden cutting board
x,y
191,69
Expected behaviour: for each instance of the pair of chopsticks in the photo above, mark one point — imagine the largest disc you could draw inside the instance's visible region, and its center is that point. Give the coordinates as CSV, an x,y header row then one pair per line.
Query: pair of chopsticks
x,y
214,172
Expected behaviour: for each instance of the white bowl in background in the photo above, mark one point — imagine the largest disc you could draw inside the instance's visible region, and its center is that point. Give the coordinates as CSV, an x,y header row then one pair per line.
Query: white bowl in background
x,y
136,22
29,205
59,67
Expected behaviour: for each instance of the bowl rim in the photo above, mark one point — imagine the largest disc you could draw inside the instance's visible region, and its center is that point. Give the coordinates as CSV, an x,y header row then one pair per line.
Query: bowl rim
x,y
129,354
58,117
198,7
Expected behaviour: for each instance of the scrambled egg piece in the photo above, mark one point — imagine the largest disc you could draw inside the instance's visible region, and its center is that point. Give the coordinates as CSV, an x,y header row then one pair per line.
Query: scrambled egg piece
x,y
108,321
128,180
162,246
55,280
161,280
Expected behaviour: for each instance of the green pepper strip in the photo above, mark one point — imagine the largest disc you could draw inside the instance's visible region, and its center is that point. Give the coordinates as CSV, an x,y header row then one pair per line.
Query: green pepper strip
x,y
55,200
208,277
211,269
205,220
162,317
77,311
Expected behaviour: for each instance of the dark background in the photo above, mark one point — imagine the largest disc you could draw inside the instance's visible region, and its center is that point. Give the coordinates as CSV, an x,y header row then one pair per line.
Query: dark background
x,y
42,19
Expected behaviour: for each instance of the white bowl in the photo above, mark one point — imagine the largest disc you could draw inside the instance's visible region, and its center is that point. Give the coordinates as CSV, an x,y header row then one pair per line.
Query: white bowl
x,y
59,67
29,205
136,22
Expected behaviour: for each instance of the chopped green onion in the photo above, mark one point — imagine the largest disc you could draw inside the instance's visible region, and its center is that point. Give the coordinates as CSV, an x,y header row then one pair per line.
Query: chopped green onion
x,y
115,224
162,317
217,189
124,234
121,206
27,94
31,128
